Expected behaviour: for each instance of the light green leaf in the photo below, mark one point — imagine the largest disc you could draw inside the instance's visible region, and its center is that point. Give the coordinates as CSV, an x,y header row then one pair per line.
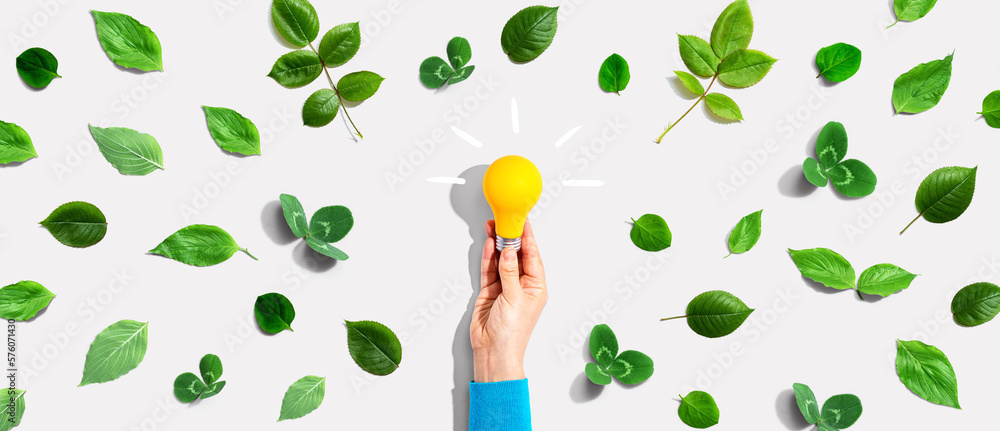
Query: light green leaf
x,y
698,410
911,10
295,215
461,75
841,411
231,131
945,194
15,144
838,62
325,249
320,108
603,345
459,52
297,68
723,106
296,21
274,313
331,224
974,305
631,367
814,172
597,374
23,300
199,245
358,86
716,313
991,110
650,233
434,72
374,347
824,266
210,368
118,349
77,224
745,67
831,144
733,29
691,83
698,56
127,42
188,387
926,371
853,178
884,279
213,389
37,67
746,233
17,396
129,151
340,44
922,87
304,396
614,74
807,402
529,33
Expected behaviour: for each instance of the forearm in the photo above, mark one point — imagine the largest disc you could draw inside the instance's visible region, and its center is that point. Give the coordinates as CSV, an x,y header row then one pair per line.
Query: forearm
x,y
497,366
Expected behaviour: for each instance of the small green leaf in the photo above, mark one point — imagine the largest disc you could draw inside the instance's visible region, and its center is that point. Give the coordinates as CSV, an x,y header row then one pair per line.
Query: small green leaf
x,y
77,224
840,411
528,33
15,144
128,151
304,396
199,245
853,178
296,21
631,367
603,345
614,74
698,410
210,367
698,56
824,266
838,62
459,52
650,233
922,87
13,418
23,300
691,83
232,132
991,109
374,347
461,75
716,313
745,67
340,44
733,29
597,374
296,68
325,249
807,402
127,42
723,106
927,372
945,194
974,305
331,224
746,233
911,10
37,67
118,349
884,279
358,86
320,108
274,313
213,389
434,72
188,387
814,172
295,215
831,144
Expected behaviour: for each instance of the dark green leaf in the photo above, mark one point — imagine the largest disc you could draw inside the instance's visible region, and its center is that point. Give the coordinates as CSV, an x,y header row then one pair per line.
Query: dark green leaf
x,y
340,44
698,55
698,410
461,75
746,233
331,224
76,224
650,233
37,67
974,305
274,313
434,72
127,42
23,300
927,372
210,367
295,215
991,109
325,249
838,62
304,396
691,83
188,387
831,144
733,29
716,313
374,347
946,193
529,33
723,106
459,52
807,402
824,266
884,279
118,349
744,67
614,74
296,21
841,411
603,345
213,389
297,68
922,87
631,367
129,151
597,374
320,108
853,178
15,144
814,172
358,86
199,245
911,10
231,131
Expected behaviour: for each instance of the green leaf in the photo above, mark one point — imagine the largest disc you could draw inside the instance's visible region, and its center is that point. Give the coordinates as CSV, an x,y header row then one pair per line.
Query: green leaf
x,y
304,396
698,410
434,72
991,109
213,389
807,402
320,108
295,215
23,300
17,396
297,68
698,55
296,21
926,371
128,151
37,67
911,10
199,245
650,233
945,194
853,178
631,367
118,349
461,75
340,44
716,313
691,83
838,62
529,33
831,144
15,144
884,279
459,52
814,172
723,106
231,131
922,87
603,345
374,347
188,387
597,374
325,249
359,86
76,224
974,305
614,74
746,233
841,411
733,29
745,67
824,266
274,313
210,367
127,42
331,224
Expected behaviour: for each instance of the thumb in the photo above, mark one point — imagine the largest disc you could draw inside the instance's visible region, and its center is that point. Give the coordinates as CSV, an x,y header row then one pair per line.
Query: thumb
x,y
509,274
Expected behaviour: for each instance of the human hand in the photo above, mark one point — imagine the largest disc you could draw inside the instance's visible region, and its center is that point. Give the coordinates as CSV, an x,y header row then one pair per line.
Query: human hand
x,y
512,297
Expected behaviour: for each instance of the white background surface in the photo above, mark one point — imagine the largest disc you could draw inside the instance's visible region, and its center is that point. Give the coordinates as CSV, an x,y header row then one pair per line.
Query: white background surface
x,y
413,240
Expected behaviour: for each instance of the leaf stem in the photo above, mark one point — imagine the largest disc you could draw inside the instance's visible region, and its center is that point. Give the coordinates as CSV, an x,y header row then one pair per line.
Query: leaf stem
x,y
248,253
730,254
335,90
672,318
911,223
696,102
859,294
890,25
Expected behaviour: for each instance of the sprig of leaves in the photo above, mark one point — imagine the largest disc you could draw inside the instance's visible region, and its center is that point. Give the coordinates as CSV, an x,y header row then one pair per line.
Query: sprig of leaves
x,y
922,87
374,347
127,42
298,23
851,177
76,224
328,225
629,367
839,411
715,314
725,59
614,74
15,144
926,371
435,72
199,245
945,194
189,387
830,269
37,67
838,62
650,233
745,235
528,33
118,349
23,300
911,10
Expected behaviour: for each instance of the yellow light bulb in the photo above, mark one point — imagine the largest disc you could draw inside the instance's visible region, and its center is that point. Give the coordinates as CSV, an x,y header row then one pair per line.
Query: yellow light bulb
x,y
512,186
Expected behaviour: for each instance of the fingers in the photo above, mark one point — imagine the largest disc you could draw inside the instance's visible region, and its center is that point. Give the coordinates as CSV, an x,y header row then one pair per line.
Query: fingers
x,y
489,262
531,259
510,277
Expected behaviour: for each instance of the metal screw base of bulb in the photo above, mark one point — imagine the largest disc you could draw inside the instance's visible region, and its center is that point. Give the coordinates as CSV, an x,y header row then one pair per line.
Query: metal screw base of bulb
x,y
508,242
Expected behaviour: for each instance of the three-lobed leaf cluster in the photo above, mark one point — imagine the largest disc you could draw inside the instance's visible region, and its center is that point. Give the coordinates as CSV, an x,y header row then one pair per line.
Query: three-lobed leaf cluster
x,y
189,387
435,72
839,411
327,226
851,177
830,269
630,367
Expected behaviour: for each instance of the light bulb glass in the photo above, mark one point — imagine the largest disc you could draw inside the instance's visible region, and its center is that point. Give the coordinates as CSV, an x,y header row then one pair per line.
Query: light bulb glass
x,y
512,186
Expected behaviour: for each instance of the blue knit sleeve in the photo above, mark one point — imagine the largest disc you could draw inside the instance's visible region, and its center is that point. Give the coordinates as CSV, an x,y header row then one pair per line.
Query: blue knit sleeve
x,y
499,406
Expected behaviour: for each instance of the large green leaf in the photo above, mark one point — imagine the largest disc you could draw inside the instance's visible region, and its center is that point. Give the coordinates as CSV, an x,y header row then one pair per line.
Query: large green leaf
x,y
374,347
927,372
210,368
650,233
320,108
529,33
838,62
597,374
946,193
614,74
716,313
723,106
199,245
824,266
459,52
127,42
831,144
922,87
274,313
806,400
295,215
296,21
296,68
331,224
77,224
698,410
841,411
884,279
340,44
37,67
359,86
733,29
631,367
118,349
853,178
814,172
745,67
188,387
129,151
304,396
975,304
746,233
603,345
698,56
15,144
231,131
23,300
